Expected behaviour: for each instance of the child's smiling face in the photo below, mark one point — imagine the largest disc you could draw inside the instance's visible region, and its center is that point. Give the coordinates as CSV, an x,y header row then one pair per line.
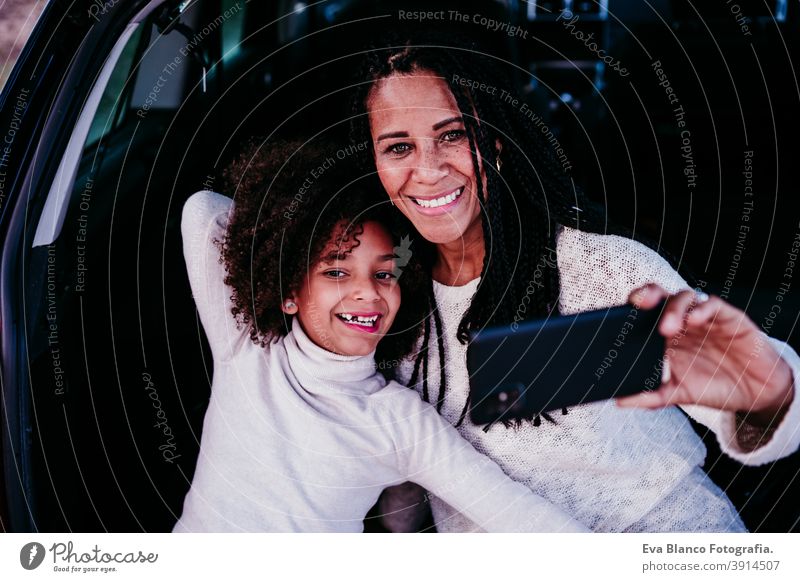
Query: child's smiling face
x,y
348,303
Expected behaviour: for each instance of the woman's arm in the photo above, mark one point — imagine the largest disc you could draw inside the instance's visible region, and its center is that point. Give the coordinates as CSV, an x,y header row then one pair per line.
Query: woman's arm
x,y
599,271
204,219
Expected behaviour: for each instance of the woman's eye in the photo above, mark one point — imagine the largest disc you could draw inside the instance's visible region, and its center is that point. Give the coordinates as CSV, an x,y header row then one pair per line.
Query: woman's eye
x,y
454,135
398,149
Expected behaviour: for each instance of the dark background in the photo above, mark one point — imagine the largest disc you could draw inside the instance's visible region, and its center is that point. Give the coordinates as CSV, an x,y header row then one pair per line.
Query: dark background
x,y
92,461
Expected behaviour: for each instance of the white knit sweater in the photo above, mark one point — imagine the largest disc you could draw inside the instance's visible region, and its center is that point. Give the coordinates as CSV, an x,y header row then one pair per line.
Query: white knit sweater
x,y
613,469
297,438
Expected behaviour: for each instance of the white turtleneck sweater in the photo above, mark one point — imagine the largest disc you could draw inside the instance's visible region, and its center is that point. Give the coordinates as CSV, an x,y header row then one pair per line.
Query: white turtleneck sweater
x,y
614,469
297,438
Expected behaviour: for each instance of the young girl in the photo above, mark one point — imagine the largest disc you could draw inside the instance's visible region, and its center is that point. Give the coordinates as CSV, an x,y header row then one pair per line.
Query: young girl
x,y
302,433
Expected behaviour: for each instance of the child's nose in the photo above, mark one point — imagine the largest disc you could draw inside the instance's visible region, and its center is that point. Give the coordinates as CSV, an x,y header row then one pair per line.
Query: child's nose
x,y
366,289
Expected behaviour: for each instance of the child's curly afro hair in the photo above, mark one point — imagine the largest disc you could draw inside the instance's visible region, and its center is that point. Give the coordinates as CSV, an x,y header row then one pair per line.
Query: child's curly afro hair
x,y
289,198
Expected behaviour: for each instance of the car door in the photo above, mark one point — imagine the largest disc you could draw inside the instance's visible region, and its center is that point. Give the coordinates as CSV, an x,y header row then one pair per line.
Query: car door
x,y
96,433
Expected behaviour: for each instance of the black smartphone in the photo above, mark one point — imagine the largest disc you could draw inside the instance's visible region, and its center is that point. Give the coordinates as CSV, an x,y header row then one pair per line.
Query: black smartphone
x,y
524,369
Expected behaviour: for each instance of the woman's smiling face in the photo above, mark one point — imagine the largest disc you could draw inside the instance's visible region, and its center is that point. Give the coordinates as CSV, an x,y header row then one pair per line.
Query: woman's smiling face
x,y
422,155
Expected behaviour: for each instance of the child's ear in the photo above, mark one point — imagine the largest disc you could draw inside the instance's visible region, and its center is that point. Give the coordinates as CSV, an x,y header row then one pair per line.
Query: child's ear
x,y
289,306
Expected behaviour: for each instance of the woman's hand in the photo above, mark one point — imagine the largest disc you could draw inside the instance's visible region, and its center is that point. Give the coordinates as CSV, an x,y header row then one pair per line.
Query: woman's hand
x,y
717,357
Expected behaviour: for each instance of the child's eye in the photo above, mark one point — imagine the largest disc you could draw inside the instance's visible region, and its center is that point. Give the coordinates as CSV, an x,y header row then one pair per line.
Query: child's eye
x,y
385,275
454,135
334,273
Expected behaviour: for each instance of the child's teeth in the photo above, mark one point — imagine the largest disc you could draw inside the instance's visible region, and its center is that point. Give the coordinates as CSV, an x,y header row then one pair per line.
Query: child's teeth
x,y
359,319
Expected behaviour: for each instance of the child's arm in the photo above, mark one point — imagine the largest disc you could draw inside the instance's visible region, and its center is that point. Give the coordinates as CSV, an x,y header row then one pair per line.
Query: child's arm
x,y
443,462
205,218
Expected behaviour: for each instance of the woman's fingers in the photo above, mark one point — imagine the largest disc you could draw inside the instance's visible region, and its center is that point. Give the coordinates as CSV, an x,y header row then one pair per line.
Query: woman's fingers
x,y
681,308
673,320
647,296
682,311
666,395
708,311
716,356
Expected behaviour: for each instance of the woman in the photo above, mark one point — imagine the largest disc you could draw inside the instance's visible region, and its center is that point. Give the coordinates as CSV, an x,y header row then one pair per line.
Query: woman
x,y
508,230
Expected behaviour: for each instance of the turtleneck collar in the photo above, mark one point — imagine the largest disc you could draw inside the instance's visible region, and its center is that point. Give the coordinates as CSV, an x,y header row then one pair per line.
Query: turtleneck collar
x,y
319,370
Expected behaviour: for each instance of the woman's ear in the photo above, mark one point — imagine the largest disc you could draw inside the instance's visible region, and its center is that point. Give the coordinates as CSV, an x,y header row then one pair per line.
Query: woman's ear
x,y
289,306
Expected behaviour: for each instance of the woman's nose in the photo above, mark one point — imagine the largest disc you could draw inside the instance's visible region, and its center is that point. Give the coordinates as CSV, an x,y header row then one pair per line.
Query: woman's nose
x,y
429,166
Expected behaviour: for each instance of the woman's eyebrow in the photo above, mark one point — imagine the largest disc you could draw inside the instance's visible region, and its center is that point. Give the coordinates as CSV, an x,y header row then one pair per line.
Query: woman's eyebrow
x,y
436,126
392,135
441,124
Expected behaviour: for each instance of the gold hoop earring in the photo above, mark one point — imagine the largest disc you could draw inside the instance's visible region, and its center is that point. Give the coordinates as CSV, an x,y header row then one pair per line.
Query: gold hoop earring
x,y
498,163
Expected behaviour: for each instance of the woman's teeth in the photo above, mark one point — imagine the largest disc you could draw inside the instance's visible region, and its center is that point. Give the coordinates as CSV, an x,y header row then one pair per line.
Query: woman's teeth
x,y
366,321
436,202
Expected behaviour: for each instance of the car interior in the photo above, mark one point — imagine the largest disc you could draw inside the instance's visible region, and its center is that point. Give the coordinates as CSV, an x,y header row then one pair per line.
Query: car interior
x,y
120,370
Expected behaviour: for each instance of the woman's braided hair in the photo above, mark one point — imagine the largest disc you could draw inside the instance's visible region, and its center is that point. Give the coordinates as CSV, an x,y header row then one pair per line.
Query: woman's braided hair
x,y
529,199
